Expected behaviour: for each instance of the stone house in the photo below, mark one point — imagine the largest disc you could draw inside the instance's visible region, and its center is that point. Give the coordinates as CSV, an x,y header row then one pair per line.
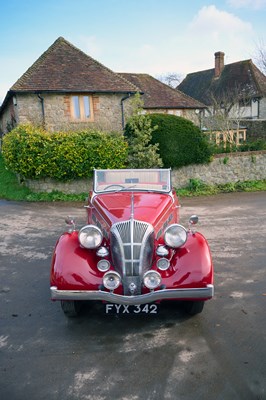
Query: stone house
x,y
238,90
65,89
160,98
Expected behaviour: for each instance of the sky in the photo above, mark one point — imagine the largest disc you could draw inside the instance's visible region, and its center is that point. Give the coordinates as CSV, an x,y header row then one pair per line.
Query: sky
x,y
156,37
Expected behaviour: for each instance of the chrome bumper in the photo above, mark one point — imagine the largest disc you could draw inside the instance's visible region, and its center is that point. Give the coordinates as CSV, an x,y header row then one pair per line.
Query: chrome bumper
x,y
164,294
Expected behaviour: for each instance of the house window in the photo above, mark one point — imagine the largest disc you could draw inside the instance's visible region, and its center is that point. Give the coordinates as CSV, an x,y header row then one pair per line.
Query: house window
x,y
81,108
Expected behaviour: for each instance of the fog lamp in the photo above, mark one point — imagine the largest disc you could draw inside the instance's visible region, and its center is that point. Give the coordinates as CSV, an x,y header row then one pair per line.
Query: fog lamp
x,y
102,252
163,264
111,280
152,279
162,251
103,265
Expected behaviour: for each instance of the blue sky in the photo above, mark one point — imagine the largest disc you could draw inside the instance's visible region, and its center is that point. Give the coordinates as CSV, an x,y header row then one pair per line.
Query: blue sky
x,y
149,36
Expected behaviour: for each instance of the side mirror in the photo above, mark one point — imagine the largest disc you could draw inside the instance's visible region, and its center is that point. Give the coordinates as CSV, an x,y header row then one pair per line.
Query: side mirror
x,y
70,221
193,220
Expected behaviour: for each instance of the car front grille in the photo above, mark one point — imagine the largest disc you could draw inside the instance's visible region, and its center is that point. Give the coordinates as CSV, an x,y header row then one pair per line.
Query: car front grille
x,y
132,244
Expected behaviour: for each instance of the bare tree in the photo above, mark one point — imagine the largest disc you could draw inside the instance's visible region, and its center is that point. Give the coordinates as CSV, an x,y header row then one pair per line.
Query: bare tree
x,y
171,79
260,55
225,114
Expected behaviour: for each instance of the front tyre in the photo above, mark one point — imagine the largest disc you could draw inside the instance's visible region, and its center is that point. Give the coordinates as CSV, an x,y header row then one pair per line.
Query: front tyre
x,y
194,307
71,308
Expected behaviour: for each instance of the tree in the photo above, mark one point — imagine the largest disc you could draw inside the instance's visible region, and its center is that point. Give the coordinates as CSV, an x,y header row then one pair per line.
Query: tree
x,y
171,79
226,112
260,56
138,134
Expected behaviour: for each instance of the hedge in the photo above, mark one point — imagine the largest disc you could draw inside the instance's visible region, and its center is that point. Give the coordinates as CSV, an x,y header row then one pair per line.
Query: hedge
x,y
180,141
35,153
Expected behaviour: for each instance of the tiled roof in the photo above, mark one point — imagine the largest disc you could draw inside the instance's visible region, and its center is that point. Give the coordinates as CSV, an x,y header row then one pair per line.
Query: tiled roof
x,y
159,95
65,68
242,77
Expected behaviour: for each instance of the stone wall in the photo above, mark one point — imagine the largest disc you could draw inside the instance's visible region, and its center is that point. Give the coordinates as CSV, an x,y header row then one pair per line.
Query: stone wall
x,y
8,118
49,185
107,114
189,114
224,168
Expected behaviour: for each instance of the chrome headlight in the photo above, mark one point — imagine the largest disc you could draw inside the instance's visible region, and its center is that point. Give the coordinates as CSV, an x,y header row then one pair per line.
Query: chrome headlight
x,y
152,279
175,235
90,237
111,280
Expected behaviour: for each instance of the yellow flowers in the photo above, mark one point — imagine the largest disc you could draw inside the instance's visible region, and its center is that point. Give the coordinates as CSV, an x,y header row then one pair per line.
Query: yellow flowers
x,y
35,153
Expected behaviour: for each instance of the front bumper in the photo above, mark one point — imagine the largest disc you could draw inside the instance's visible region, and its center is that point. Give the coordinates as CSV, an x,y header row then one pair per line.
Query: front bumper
x,y
157,295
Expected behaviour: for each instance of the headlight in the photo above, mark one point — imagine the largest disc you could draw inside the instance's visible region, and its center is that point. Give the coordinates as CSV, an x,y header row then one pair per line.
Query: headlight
x,y
152,279
90,237
103,265
175,235
111,280
163,264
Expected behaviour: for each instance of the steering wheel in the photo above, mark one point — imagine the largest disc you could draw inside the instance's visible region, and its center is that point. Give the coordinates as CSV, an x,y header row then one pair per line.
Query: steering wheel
x,y
115,185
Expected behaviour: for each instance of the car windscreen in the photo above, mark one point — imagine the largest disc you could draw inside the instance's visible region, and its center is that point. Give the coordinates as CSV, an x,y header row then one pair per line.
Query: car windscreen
x,y
132,179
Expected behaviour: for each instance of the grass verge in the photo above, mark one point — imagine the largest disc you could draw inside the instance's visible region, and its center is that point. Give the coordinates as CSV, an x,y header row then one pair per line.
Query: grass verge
x,y
199,188
10,189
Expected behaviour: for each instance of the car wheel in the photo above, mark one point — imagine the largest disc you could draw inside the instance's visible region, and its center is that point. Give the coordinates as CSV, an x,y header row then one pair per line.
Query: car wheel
x,y
71,308
194,307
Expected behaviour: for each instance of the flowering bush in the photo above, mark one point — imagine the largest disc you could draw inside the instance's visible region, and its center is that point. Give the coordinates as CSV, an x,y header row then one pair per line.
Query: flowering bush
x,y
35,153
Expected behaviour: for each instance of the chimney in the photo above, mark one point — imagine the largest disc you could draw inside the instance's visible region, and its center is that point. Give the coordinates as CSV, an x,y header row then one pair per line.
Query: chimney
x,y
219,63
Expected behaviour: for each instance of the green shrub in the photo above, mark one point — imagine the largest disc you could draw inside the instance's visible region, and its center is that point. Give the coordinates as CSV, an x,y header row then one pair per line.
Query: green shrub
x,y
180,141
138,134
35,153
253,145
249,145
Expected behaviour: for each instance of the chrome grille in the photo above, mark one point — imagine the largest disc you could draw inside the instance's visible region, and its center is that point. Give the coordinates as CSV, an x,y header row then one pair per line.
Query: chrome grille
x,y
132,244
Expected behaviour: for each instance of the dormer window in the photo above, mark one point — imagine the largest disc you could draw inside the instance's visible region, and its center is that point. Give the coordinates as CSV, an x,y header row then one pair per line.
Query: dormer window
x,y
81,108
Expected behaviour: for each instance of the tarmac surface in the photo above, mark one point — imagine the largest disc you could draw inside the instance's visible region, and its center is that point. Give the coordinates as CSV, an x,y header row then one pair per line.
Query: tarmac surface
x,y
218,354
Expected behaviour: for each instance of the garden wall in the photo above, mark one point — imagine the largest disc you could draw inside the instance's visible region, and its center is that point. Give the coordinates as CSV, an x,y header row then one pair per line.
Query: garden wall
x,y
224,168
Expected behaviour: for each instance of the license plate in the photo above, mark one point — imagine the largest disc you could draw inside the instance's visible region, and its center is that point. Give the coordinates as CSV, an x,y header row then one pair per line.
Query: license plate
x,y
131,309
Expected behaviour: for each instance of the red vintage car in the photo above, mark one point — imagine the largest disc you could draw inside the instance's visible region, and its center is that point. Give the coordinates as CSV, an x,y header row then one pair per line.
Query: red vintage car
x,y
132,253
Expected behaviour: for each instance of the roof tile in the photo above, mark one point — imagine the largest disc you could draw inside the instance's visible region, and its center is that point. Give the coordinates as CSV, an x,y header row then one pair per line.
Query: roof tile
x,y
63,67
160,95
241,77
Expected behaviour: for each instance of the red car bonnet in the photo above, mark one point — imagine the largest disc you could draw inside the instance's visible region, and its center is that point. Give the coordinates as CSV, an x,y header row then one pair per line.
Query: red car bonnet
x,y
148,207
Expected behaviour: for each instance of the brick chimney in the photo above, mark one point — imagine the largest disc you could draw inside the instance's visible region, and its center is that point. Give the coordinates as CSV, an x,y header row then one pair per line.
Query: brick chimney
x,y
219,63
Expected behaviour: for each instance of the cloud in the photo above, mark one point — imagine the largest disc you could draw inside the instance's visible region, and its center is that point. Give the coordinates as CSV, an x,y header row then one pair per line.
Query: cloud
x,y
253,4
192,49
209,31
215,23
